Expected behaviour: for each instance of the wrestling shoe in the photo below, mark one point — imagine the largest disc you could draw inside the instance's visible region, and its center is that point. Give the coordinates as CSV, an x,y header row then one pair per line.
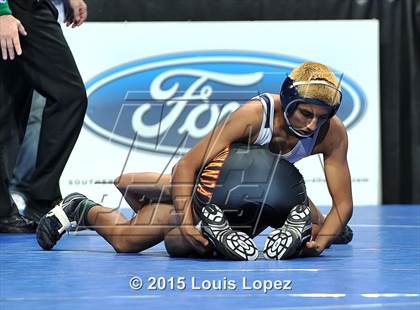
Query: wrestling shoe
x,y
17,223
232,244
345,237
287,241
61,218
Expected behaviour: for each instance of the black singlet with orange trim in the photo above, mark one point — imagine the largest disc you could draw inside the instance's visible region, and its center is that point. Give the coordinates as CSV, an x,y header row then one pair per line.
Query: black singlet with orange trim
x,y
253,186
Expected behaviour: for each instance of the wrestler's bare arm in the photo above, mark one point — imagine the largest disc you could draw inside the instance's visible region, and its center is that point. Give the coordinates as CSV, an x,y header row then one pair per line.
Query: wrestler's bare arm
x,y
339,185
242,124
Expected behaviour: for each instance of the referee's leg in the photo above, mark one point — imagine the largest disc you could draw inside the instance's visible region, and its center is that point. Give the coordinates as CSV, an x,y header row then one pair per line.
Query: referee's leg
x,y
13,91
48,64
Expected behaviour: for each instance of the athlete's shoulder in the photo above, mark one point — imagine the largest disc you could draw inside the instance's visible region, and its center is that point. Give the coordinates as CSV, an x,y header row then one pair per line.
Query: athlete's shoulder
x,y
250,112
275,98
336,136
253,105
337,129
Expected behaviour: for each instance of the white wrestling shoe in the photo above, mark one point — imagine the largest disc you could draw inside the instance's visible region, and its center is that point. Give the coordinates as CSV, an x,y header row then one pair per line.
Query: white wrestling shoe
x,y
235,245
287,241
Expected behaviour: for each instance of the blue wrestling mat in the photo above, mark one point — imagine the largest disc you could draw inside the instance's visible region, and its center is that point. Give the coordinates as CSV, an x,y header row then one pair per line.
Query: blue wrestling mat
x,y
379,269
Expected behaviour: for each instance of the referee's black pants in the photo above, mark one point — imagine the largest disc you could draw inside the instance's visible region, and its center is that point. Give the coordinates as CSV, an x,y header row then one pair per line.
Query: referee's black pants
x,y
46,65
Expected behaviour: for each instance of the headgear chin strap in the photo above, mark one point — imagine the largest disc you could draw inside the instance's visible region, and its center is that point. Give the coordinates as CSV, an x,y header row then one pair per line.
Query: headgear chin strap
x,y
290,98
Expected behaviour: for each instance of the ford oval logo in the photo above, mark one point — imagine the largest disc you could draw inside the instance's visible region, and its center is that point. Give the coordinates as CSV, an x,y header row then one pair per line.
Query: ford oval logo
x,y
167,104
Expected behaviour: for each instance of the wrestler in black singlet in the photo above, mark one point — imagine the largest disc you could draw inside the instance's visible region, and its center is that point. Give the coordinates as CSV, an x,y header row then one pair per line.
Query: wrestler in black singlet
x,y
253,187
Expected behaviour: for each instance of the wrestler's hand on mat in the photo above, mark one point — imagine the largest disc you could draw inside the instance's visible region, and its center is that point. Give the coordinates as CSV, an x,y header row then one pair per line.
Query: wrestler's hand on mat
x,y
313,248
194,237
10,27
77,14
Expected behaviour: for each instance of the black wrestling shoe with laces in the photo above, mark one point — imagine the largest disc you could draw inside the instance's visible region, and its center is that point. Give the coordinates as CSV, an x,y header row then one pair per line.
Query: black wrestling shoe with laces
x,y
287,241
61,218
16,223
234,245
345,237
